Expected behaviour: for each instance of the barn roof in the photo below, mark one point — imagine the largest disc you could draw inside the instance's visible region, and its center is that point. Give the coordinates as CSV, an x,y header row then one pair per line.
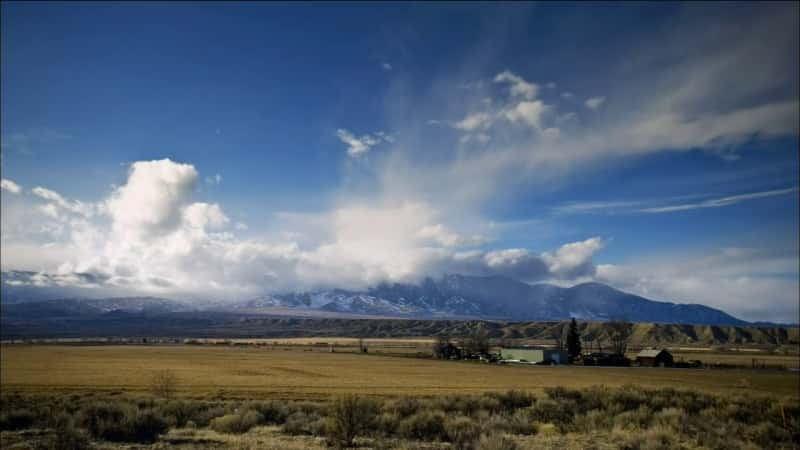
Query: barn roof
x,y
649,353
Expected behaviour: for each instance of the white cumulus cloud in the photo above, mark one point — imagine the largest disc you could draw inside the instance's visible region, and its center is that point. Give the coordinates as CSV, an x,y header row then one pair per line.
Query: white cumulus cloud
x,y
360,146
10,186
518,86
595,102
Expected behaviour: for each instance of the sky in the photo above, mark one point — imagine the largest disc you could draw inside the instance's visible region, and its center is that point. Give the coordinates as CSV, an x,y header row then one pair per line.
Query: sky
x,y
227,150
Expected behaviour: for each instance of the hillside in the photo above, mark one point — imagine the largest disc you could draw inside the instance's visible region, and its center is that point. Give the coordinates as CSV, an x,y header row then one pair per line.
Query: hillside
x,y
227,325
448,297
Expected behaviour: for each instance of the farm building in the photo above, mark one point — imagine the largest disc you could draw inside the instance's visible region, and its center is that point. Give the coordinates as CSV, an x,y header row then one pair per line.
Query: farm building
x,y
534,355
605,359
654,358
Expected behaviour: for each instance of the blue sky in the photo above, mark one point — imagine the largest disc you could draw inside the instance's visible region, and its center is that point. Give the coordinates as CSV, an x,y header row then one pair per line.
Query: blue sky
x,y
651,147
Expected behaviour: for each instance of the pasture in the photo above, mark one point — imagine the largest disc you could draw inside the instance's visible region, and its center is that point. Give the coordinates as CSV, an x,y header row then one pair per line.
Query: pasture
x,y
294,372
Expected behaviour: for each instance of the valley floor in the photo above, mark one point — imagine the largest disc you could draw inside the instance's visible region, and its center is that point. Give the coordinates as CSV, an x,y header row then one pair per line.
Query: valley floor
x,y
302,372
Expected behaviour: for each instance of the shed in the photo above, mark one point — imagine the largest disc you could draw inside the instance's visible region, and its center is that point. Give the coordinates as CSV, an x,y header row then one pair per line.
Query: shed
x,y
654,358
534,355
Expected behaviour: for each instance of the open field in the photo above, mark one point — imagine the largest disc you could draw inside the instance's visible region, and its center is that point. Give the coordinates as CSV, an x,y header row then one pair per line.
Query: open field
x,y
287,372
739,358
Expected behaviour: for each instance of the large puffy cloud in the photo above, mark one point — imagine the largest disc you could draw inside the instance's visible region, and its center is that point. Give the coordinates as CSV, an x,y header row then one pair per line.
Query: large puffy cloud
x,y
575,259
153,199
150,235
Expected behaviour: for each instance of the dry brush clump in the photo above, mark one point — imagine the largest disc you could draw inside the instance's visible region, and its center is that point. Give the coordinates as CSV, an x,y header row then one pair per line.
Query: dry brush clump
x,y
236,423
630,417
350,416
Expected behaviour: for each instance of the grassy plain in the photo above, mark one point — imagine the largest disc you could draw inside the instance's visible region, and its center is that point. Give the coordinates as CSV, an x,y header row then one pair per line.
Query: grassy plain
x,y
295,373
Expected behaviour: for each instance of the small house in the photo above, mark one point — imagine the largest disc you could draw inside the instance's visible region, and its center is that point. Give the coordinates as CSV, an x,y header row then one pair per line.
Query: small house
x,y
534,355
654,358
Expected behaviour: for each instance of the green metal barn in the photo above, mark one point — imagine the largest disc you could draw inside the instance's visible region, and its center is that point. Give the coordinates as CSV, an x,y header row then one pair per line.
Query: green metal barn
x,y
534,355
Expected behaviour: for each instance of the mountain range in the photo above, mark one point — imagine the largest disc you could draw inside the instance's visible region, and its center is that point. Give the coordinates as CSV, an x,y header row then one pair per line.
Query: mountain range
x,y
447,297
495,297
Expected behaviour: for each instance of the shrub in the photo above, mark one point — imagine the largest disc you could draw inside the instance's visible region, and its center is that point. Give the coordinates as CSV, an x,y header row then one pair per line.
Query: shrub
x,y
630,398
670,417
312,408
403,406
639,418
147,426
558,413
512,399
462,431
521,423
299,423
350,416
464,404
178,412
765,434
592,421
17,420
104,420
65,437
203,417
425,426
562,393
656,438
122,422
387,422
496,442
273,412
236,423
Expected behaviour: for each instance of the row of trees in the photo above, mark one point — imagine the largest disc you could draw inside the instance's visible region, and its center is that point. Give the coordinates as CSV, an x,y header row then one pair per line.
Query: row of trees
x,y
616,332
476,343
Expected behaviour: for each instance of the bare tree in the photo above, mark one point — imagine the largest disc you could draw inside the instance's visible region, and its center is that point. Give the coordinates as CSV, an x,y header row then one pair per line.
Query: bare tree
x,y
442,341
361,347
560,336
350,416
619,333
480,341
164,383
574,347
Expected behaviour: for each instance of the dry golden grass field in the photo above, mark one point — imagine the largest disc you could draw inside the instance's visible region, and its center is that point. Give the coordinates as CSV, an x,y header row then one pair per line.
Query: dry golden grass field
x,y
287,372
734,357
740,358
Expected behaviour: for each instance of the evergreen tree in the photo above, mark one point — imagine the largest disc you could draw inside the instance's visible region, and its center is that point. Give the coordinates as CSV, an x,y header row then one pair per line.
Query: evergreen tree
x,y
573,340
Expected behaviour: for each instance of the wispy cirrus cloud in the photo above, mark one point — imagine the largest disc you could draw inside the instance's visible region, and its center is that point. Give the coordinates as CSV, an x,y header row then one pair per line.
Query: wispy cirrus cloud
x,y
215,179
719,202
26,143
663,205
